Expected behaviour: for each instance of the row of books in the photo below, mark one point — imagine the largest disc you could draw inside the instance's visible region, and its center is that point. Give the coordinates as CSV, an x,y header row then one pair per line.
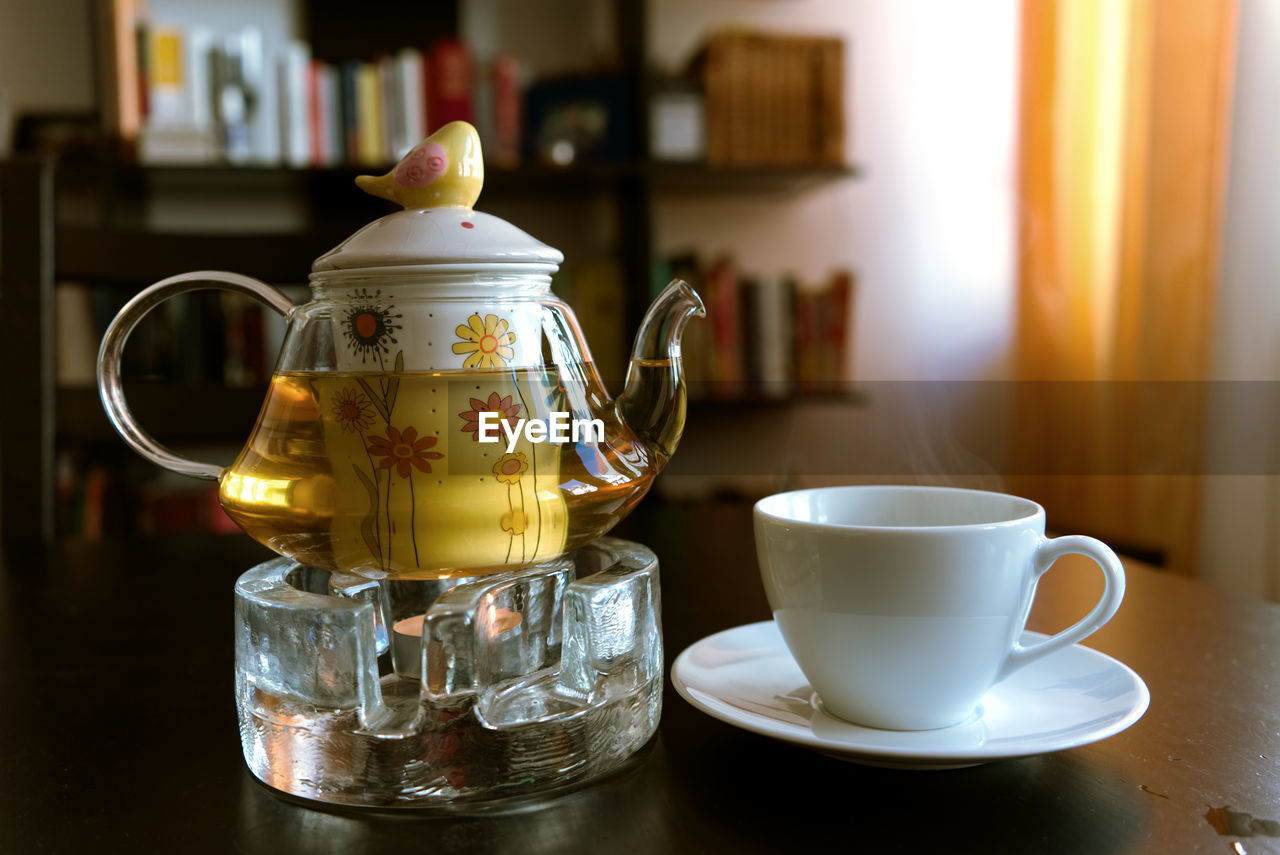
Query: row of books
x,y
95,500
597,291
84,500
176,95
765,336
207,337
371,113
187,95
773,99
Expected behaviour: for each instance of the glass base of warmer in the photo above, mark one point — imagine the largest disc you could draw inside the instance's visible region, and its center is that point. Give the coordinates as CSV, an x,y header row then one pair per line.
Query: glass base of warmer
x,y
417,694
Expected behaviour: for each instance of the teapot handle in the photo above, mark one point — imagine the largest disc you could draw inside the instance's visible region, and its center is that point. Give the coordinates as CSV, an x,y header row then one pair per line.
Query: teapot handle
x,y
118,333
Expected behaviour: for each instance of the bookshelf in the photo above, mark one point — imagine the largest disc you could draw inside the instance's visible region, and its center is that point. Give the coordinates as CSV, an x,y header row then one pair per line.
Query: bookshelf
x,y
84,220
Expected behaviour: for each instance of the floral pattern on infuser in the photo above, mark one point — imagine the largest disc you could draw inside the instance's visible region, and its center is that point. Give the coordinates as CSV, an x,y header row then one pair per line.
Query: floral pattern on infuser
x,y
510,467
352,410
369,326
401,449
514,522
486,343
503,408
423,165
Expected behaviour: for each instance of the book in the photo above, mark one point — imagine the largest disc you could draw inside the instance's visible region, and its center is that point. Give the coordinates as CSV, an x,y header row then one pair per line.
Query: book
x,y
807,338
93,509
166,507
333,151
835,332
317,115
482,108
370,140
723,310
142,56
75,335
295,99
245,362
263,138
776,302
768,336
449,83
599,301
119,79
166,87
751,368
199,78
506,143
411,100
390,107
349,112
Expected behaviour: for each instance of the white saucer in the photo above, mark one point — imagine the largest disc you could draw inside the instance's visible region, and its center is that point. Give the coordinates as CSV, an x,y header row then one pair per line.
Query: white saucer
x,y
745,676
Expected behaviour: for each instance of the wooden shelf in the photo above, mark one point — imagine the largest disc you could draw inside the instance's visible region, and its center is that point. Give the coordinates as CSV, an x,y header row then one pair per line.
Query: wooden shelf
x,y
129,256
586,177
579,178
710,396
698,178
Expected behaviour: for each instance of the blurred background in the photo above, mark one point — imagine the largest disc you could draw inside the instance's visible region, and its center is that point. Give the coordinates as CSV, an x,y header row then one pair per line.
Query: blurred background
x,y
1028,246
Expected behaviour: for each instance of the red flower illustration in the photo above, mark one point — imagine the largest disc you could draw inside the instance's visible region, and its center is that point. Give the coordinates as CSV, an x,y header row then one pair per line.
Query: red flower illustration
x,y
399,449
502,407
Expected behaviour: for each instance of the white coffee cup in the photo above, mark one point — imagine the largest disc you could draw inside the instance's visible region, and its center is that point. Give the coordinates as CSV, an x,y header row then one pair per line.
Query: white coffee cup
x,y
903,606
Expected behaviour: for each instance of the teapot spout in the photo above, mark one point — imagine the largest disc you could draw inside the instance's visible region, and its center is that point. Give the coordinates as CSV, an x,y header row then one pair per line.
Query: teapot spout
x,y
653,402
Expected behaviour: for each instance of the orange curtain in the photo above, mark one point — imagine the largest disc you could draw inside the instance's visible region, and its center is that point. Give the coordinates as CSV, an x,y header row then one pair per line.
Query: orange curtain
x,y
1125,118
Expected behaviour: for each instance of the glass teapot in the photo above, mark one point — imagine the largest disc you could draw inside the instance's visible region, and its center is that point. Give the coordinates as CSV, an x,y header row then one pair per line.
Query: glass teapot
x,y
434,410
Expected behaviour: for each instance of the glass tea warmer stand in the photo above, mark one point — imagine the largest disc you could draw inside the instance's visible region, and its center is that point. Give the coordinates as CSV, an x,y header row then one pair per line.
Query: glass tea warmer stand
x,y
437,462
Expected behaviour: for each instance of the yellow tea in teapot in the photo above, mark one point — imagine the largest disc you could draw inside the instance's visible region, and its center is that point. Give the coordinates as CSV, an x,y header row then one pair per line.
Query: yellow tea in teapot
x,y
424,328
386,474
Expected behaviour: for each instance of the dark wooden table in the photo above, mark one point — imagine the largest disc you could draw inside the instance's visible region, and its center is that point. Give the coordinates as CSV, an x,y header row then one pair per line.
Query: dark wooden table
x,y
118,729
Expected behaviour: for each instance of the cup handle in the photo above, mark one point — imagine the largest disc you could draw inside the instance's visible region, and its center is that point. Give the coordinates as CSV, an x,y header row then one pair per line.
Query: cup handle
x,y
109,386
1049,551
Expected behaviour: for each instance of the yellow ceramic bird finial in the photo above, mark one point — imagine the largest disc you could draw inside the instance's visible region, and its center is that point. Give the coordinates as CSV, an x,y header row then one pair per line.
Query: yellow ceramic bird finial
x,y
444,170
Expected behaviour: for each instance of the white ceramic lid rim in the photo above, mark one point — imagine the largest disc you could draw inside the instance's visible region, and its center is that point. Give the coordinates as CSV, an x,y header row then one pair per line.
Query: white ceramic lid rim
x,y
542,270
444,237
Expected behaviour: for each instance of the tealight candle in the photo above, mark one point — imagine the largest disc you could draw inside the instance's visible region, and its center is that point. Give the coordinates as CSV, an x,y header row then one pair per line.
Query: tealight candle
x,y
406,637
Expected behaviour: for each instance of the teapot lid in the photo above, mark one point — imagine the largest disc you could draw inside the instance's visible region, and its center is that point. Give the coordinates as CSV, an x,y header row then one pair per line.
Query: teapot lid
x,y
437,182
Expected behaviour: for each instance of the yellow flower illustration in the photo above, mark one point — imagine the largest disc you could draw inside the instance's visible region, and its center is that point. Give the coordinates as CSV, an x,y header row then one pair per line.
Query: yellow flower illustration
x,y
510,467
487,342
515,522
352,410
